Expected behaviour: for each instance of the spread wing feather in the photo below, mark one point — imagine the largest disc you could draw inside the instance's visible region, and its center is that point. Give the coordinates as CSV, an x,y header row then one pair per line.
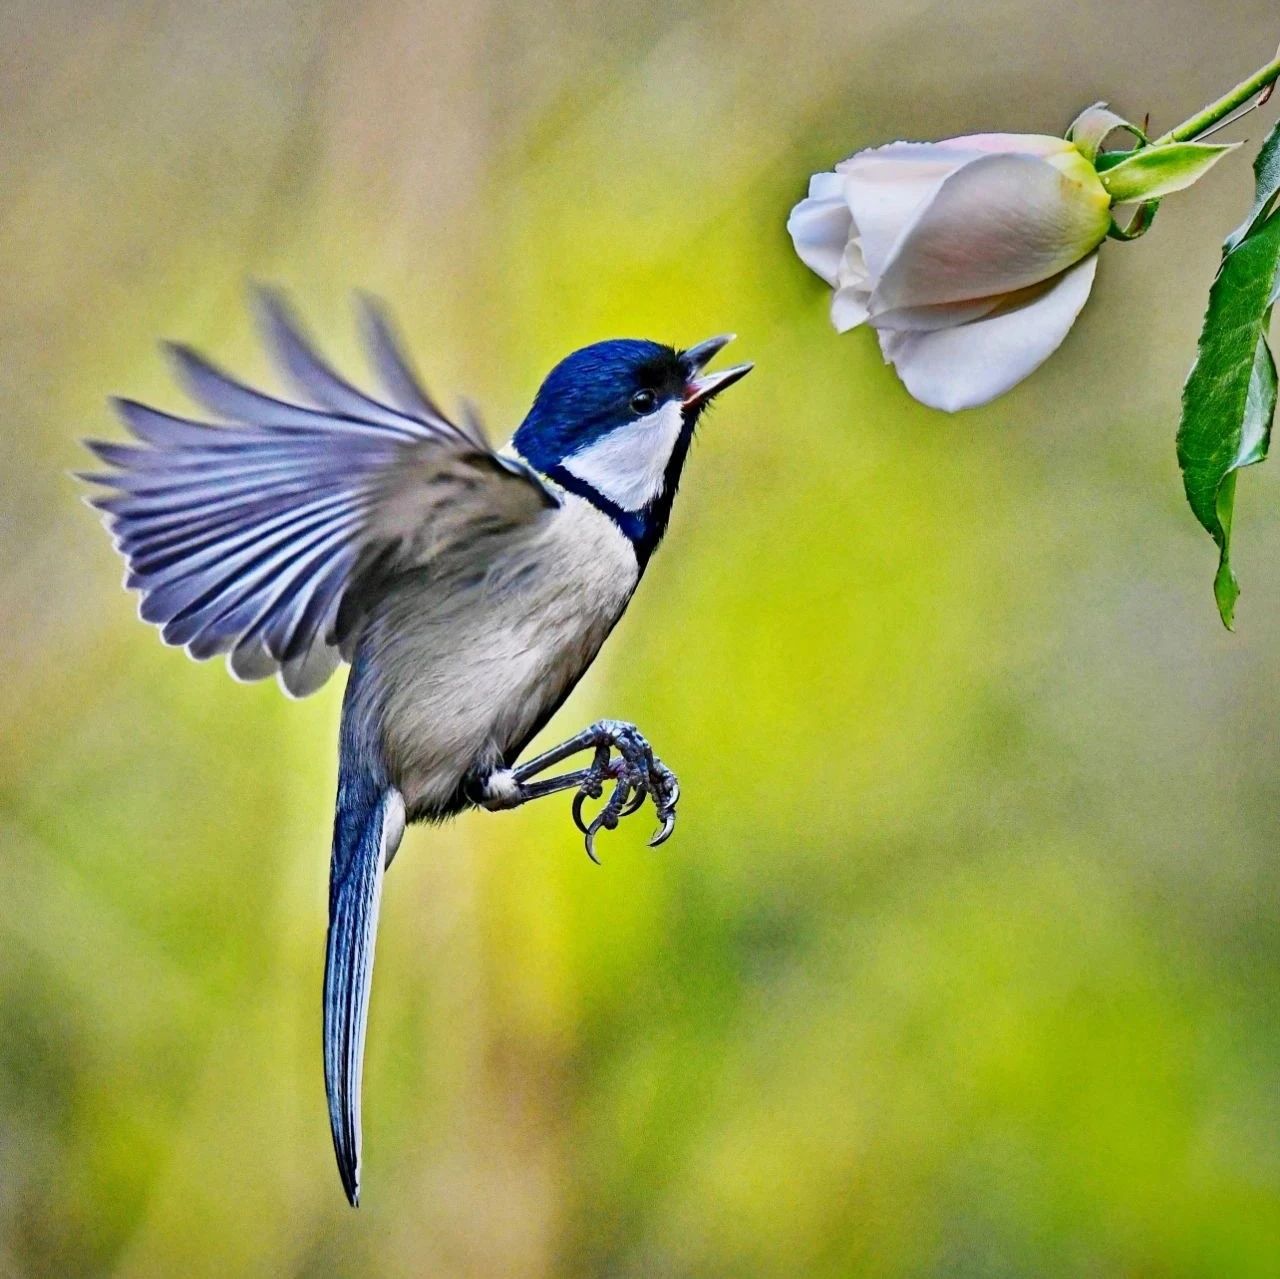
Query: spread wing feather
x,y
257,534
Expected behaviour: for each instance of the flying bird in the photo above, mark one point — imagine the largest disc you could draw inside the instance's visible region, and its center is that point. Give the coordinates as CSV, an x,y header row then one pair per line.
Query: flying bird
x,y
469,588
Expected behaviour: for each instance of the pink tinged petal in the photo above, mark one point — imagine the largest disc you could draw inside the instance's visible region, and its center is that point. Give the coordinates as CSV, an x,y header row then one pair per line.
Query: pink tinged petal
x,y
1000,223
821,225
1042,144
887,187
960,368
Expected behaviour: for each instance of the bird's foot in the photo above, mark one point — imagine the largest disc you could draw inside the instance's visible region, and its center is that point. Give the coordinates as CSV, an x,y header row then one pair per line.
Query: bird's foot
x,y
636,774
623,759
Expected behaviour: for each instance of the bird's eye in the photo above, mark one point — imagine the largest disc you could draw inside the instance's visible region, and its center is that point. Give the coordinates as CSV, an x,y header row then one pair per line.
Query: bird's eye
x,y
644,402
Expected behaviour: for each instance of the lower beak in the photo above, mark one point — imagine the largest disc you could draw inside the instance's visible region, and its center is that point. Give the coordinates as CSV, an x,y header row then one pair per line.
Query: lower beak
x,y
702,387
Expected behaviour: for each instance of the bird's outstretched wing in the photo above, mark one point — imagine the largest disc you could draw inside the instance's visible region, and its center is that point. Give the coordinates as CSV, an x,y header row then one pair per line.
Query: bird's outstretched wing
x,y
258,534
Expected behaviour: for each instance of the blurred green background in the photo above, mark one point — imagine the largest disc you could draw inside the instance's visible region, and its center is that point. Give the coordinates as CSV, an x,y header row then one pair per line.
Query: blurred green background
x,y
964,958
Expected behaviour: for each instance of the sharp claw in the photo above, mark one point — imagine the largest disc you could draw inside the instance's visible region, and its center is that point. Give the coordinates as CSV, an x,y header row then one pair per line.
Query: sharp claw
x,y
637,774
605,820
663,833
578,800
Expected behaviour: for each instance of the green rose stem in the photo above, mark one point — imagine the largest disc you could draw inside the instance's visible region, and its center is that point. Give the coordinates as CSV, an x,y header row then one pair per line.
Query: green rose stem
x,y
1224,106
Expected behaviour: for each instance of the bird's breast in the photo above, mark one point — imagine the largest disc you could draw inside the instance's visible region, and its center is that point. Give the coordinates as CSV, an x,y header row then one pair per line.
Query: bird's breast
x,y
470,659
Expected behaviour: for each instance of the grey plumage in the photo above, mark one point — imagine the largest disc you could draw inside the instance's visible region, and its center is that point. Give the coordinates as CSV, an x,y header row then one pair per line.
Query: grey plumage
x,y
245,535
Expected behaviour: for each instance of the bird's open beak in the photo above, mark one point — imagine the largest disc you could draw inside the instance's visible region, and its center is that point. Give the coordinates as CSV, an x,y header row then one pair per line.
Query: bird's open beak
x,y
702,387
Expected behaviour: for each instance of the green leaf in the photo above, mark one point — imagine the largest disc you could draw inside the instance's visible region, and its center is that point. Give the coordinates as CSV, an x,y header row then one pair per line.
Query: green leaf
x,y
1229,399
1266,173
1154,171
1105,160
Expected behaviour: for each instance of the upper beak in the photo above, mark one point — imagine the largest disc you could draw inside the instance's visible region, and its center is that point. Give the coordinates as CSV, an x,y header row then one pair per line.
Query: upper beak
x,y
702,387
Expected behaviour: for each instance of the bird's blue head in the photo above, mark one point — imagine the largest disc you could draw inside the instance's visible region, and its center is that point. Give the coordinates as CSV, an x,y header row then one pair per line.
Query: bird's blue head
x,y
613,421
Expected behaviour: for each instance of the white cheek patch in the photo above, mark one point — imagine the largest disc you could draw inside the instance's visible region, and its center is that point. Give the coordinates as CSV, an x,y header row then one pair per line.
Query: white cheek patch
x,y
627,465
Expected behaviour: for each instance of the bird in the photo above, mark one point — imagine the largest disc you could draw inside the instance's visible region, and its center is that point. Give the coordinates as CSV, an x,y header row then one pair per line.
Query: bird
x,y
468,587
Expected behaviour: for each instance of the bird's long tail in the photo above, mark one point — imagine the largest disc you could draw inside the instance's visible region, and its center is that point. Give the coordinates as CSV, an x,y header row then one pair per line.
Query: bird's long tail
x,y
367,829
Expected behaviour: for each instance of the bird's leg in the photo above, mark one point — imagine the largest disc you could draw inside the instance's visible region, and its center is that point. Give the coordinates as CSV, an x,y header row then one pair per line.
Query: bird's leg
x,y
636,772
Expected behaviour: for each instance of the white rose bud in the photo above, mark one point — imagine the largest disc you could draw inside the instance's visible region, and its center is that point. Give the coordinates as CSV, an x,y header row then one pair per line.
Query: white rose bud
x,y
970,257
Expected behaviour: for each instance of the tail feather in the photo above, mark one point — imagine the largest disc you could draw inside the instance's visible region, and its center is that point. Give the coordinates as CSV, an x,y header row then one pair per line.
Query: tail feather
x,y
367,830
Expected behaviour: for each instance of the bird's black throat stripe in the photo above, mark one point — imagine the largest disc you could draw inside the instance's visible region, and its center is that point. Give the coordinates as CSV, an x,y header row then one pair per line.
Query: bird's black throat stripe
x,y
632,523
644,528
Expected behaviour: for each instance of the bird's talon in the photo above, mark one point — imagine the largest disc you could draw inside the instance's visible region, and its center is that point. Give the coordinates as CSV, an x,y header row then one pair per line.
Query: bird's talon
x,y
621,757
606,819
663,833
578,800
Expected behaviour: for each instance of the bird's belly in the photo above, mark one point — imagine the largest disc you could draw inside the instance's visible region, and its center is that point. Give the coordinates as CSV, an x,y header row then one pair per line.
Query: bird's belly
x,y
471,668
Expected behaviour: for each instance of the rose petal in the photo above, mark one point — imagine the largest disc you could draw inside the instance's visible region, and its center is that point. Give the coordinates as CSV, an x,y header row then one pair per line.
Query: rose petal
x,y
848,309
947,315
820,226
943,315
960,368
853,291
1042,144
997,224
886,188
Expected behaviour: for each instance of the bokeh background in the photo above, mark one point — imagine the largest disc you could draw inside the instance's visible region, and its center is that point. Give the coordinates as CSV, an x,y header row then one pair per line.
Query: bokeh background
x,y
964,958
